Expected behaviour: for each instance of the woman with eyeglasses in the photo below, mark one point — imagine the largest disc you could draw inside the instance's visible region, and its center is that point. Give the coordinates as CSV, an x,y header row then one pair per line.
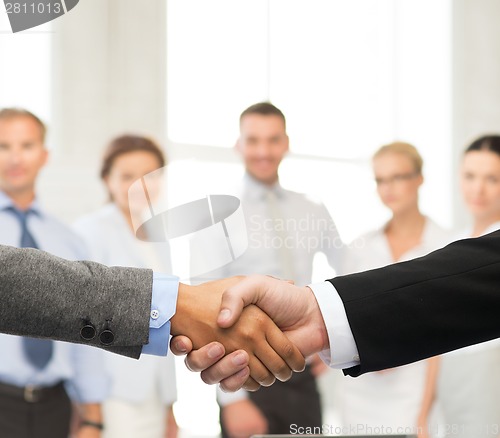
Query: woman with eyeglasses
x,y
142,391
397,400
469,380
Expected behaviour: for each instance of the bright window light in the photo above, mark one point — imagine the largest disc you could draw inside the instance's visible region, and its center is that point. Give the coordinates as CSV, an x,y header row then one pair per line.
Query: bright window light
x,y
25,67
350,76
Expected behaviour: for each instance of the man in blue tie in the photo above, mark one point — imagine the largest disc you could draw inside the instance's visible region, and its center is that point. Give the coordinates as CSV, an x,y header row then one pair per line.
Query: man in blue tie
x,y
36,376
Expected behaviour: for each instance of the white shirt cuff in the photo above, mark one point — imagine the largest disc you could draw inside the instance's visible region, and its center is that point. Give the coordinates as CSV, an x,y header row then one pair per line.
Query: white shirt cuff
x,y
227,398
343,352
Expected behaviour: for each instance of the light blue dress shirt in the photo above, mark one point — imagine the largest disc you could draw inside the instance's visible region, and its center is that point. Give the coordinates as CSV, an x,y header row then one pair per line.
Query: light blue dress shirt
x,y
163,305
80,366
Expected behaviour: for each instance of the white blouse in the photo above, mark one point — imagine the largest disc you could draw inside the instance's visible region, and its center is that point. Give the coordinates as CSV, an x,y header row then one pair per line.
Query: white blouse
x,y
391,398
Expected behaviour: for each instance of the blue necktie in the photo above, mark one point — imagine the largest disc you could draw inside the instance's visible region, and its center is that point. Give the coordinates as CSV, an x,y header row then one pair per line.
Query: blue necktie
x,y
37,351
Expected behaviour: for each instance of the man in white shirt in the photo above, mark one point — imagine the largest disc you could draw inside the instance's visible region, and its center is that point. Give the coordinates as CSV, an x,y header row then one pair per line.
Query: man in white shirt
x,y
285,231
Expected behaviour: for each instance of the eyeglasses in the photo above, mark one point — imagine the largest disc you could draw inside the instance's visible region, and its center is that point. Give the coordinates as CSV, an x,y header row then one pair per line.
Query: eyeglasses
x,y
396,179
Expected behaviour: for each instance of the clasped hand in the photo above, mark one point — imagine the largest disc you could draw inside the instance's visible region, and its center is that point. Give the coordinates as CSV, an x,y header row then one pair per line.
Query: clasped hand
x,y
226,328
269,354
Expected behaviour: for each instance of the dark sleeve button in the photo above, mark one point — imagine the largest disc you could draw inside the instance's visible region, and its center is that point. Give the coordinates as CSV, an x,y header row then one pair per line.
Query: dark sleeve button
x,y
88,332
107,337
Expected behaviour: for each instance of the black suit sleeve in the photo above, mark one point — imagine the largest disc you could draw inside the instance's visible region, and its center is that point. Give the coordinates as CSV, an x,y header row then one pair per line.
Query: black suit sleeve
x,y
413,310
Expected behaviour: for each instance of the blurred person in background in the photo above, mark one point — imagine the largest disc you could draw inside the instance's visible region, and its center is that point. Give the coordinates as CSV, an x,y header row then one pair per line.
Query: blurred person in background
x,y
143,391
403,396
37,376
285,231
469,380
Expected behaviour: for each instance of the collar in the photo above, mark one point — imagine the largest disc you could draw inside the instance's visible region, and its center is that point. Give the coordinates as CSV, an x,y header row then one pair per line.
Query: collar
x,y
256,190
429,233
493,227
468,232
6,202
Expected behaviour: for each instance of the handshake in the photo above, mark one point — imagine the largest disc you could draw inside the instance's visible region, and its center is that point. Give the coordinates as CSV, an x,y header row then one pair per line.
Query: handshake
x,y
245,332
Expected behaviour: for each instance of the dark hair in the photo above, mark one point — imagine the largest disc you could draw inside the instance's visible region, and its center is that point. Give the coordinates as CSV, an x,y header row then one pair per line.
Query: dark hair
x,y
129,143
486,143
12,113
264,109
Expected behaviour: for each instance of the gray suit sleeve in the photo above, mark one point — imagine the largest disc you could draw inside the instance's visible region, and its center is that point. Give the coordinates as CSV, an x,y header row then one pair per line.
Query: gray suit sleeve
x,y
45,296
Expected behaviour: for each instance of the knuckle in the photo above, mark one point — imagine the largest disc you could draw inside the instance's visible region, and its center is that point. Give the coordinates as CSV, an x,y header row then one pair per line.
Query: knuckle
x,y
288,350
248,335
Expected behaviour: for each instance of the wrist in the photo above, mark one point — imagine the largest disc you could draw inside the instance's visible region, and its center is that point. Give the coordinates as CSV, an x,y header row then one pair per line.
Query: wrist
x,y
194,314
185,301
319,338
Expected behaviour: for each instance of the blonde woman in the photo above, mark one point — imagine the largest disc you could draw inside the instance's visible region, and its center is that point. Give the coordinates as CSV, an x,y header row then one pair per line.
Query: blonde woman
x,y
399,400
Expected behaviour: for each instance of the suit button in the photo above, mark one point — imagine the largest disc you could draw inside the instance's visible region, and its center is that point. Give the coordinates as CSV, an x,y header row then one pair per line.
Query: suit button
x,y
88,332
107,337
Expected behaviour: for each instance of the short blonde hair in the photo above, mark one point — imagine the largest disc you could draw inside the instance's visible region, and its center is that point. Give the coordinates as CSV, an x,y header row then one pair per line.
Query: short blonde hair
x,y
406,149
12,113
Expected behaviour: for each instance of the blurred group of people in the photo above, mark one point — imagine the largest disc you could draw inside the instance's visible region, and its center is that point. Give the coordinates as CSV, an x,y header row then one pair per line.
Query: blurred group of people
x,y
52,389
455,395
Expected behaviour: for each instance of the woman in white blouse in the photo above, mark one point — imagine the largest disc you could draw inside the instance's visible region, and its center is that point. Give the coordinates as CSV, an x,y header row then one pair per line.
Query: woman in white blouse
x,y
469,381
143,391
396,401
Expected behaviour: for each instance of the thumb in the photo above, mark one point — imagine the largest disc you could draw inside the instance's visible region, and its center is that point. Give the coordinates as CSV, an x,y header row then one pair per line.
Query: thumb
x,y
180,345
234,299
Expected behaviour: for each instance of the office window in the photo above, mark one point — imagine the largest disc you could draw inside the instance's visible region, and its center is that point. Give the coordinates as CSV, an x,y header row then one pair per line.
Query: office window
x,y
25,71
349,76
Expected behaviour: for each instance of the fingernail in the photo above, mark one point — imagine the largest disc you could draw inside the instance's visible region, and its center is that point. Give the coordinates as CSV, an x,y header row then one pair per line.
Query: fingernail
x,y
240,359
224,315
181,346
243,372
215,351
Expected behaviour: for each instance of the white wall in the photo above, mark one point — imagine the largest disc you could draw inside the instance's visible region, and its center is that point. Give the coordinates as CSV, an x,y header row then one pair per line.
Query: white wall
x,y
476,80
109,78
